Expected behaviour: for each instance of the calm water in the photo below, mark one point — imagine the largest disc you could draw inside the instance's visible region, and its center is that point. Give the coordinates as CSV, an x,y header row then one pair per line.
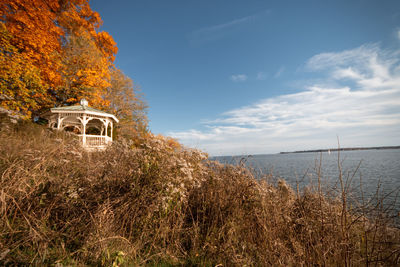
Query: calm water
x,y
376,167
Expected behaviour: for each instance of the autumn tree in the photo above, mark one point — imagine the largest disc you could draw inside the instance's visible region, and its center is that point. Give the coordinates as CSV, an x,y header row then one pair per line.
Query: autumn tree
x,y
127,104
35,34
52,53
87,55
44,32
78,15
85,71
21,87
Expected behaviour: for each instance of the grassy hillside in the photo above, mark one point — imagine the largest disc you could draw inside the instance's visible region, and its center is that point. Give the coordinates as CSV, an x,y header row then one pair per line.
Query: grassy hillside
x,y
155,204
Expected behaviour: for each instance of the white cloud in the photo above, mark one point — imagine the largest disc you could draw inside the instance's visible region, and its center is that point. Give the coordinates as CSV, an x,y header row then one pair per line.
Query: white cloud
x,y
214,32
225,26
261,76
360,102
279,72
239,77
398,34
333,59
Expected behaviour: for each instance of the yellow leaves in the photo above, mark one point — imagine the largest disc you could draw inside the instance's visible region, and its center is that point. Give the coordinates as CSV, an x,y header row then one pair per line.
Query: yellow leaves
x,y
85,69
20,80
57,55
107,45
31,24
78,14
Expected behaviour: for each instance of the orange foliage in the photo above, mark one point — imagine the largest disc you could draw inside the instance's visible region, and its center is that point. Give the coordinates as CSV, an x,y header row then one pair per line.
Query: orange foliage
x,y
52,53
78,15
60,42
21,87
85,71
87,56
34,33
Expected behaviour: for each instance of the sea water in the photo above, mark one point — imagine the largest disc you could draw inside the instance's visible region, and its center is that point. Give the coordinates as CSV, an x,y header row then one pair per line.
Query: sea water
x,y
365,174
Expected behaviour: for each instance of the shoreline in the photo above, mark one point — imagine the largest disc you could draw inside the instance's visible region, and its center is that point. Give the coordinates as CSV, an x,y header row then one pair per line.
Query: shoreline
x,y
342,149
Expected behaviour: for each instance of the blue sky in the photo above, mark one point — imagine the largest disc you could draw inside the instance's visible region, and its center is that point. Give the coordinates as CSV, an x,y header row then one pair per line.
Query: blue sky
x,y
254,77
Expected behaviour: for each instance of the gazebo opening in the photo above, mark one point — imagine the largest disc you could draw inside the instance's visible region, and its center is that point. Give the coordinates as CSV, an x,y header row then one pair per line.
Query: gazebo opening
x,y
94,127
72,129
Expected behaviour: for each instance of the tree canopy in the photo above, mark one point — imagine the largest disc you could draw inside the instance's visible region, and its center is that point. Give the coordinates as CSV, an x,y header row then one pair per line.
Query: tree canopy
x,y
52,53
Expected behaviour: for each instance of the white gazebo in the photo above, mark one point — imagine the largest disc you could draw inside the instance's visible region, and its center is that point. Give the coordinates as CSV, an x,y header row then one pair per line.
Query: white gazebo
x,y
94,127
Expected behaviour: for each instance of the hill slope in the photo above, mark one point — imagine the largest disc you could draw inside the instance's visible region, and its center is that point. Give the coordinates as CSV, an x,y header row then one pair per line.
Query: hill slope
x,y
156,204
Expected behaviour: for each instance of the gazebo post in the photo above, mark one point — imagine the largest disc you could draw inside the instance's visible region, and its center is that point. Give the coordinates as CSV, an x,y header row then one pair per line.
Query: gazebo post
x,y
106,126
111,129
58,122
84,130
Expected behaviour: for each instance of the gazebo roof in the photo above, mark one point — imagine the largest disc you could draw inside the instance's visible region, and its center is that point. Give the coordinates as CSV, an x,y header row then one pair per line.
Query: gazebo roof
x,y
83,109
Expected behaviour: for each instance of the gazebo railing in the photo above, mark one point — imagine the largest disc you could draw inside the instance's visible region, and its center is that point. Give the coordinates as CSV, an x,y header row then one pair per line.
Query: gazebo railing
x,y
95,140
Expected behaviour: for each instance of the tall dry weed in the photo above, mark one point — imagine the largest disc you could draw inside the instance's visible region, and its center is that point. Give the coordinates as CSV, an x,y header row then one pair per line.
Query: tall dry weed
x,y
153,203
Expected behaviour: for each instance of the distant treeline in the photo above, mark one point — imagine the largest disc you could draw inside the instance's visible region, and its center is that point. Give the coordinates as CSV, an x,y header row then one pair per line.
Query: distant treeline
x,y
343,149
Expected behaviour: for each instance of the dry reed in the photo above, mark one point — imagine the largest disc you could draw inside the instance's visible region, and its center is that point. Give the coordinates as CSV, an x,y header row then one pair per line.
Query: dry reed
x,y
155,204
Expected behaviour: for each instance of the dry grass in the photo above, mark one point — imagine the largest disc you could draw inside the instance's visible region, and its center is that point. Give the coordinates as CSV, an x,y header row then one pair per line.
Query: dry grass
x,y
156,205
